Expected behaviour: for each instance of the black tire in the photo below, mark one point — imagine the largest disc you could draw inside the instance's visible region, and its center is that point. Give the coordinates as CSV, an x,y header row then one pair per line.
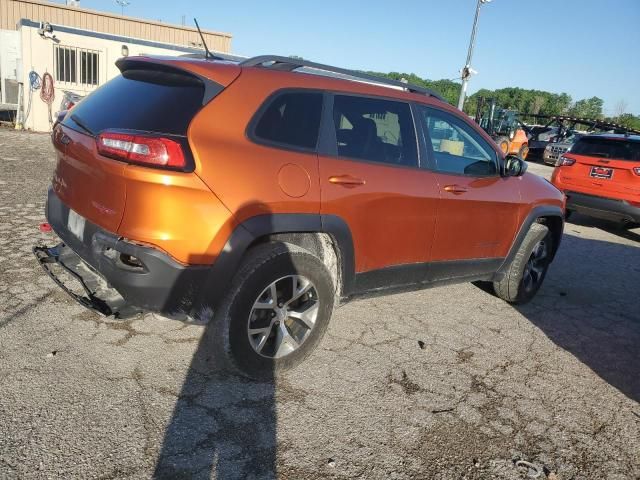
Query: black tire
x,y
522,282
504,144
263,265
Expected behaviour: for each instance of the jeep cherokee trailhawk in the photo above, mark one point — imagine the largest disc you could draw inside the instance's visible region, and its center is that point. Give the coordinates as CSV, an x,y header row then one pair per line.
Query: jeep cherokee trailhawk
x,y
260,194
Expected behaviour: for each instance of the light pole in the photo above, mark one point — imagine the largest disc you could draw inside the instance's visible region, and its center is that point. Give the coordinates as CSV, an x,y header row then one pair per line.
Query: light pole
x,y
466,70
123,3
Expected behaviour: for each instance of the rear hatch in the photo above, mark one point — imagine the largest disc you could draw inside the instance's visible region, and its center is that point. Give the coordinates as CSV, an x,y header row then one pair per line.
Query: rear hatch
x,y
150,100
604,166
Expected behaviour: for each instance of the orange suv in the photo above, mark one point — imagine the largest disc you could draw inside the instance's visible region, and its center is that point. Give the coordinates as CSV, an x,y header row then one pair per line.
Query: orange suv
x,y
600,174
260,194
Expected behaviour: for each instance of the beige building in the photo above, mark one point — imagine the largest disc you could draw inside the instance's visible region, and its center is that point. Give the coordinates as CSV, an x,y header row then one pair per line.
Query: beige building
x,y
78,48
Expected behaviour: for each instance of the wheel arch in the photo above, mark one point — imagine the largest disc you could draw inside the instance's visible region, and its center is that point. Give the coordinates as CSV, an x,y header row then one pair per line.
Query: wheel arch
x,y
327,236
549,215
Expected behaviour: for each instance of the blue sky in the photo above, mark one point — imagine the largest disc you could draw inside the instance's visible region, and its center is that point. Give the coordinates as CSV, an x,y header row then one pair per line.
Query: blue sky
x,y
583,47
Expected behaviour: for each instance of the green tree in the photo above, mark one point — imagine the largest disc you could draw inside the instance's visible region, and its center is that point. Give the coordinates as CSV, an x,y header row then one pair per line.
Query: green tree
x,y
587,108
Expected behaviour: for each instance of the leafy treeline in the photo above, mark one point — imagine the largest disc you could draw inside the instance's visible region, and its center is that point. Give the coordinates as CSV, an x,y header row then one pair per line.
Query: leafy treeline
x,y
520,99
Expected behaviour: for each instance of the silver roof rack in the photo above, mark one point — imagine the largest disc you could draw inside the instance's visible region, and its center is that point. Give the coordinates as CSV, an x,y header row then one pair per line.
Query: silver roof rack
x,y
289,64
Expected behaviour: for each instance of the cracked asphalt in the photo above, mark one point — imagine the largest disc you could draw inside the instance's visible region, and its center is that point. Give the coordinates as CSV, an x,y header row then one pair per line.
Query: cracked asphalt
x,y
444,383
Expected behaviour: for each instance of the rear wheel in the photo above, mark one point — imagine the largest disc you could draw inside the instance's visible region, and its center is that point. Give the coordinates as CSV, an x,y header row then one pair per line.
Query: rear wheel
x,y
504,144
525,274
276,311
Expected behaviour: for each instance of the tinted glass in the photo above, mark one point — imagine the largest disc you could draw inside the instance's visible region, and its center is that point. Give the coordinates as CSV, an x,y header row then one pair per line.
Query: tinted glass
x,y
457,148
375,130
142,100
618,149
292,119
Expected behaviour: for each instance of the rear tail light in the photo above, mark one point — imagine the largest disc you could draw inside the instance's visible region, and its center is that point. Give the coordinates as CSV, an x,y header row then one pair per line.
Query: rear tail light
x,y
565,162
141,149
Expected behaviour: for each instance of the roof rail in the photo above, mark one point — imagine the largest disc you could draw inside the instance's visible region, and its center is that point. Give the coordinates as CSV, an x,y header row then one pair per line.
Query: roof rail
x,y
289,64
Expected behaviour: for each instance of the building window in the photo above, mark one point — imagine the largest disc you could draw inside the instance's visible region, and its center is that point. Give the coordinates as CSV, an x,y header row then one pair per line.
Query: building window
x,y
88,67
65,64
69,61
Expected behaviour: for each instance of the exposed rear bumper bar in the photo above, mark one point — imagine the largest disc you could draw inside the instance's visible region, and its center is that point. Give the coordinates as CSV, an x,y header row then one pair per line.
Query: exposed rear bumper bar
x,y
66,268
604,208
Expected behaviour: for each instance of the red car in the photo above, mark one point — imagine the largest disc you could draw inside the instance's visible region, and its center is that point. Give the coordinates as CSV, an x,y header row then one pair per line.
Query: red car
x,y
600,176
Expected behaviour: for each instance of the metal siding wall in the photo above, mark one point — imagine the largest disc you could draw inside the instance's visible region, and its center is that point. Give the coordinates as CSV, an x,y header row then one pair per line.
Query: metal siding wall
x,y
11,11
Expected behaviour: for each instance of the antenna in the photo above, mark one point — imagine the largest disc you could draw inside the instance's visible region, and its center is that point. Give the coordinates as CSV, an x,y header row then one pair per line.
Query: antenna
x,y
207,53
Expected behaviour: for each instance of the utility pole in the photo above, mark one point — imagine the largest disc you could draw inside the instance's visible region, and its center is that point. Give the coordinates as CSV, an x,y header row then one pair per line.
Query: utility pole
x,y
467,71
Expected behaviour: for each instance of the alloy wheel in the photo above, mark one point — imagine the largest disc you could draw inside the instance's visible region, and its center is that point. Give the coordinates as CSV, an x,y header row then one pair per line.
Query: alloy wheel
x,y
283,316
536,266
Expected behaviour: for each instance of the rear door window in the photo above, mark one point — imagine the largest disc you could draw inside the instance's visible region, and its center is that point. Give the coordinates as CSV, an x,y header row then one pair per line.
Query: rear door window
x,y
376,130
457,147
145,100
615,149
291,119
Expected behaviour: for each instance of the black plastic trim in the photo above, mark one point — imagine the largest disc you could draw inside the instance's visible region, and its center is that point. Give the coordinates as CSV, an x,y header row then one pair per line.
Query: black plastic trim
x,y
227,264
601,207
535,214
415,276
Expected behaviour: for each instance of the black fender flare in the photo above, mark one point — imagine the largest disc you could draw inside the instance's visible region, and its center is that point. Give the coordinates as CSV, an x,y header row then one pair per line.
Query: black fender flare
x,y
533,216
226,265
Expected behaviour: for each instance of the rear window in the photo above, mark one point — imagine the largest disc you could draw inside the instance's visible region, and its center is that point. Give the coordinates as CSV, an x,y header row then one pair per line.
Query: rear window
x,y
608,148
291,119
146,100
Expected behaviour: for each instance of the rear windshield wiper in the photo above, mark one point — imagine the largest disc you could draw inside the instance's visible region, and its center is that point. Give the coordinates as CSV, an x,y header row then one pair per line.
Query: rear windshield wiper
x,y
82,125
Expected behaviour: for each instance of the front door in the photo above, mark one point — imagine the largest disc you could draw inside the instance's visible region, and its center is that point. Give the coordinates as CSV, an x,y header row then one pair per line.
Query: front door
x,y
374,183
478,209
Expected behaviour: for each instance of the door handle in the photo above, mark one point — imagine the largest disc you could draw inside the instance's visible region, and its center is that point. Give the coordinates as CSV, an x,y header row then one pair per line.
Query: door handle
x,y
346,180
455,189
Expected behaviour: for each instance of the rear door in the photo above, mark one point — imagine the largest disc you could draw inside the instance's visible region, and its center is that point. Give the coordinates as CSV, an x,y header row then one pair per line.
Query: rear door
x,y
604,167
373,181
478,209
140,100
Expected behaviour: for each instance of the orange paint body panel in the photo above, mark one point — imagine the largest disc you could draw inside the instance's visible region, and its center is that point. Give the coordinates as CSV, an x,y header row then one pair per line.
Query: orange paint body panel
x,y
175,212
92,185
391,214
478,222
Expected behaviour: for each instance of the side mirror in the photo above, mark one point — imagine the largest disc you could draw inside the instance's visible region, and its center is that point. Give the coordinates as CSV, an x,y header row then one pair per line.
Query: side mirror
x,y
514,166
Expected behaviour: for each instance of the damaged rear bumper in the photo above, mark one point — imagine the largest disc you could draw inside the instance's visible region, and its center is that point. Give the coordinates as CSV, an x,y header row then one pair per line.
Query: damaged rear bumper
x,y
116,276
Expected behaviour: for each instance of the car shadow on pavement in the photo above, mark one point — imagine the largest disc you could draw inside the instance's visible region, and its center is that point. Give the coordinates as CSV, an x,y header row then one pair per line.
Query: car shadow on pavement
x,y
588,306
576,220
223,426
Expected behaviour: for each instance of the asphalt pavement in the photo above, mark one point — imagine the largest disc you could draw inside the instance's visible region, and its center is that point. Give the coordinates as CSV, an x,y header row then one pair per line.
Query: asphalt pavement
x,y
444,383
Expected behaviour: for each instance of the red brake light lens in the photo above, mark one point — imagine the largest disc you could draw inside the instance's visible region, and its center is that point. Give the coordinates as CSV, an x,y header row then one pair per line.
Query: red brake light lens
x,y
565,161
142,150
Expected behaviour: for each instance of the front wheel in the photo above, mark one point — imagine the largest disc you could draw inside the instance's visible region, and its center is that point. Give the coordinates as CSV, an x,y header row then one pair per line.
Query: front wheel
x,y
504,144
276,311
526,272
523,152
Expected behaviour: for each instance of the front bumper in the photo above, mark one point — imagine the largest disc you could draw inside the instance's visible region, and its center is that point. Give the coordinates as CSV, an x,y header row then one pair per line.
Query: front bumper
x,y
153,282
604,208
